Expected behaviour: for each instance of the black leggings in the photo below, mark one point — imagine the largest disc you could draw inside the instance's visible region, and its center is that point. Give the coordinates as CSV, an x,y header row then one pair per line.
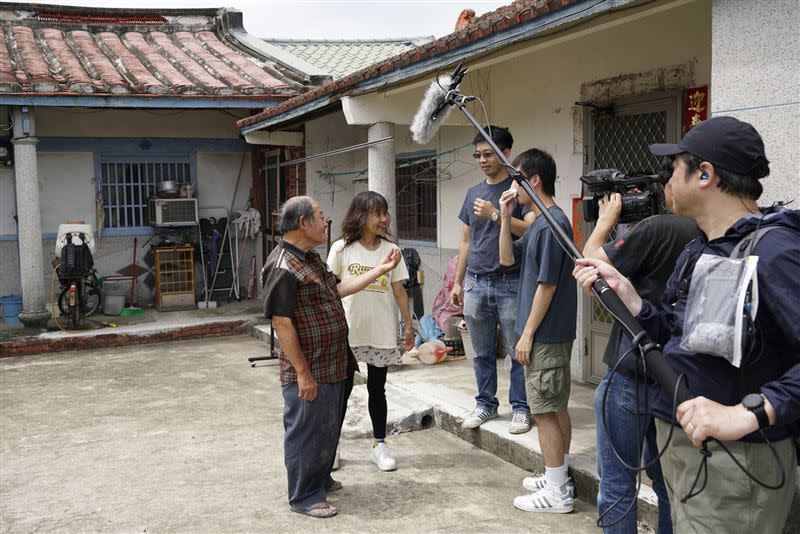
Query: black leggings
x,y
376,390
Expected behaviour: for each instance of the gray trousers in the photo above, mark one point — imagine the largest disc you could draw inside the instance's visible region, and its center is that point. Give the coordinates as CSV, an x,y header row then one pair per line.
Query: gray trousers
x,y
310,439
731,502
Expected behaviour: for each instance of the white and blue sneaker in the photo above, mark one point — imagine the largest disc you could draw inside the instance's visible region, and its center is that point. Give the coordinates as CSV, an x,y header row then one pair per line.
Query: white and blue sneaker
x,y
550,499
478,417
520,423
536,483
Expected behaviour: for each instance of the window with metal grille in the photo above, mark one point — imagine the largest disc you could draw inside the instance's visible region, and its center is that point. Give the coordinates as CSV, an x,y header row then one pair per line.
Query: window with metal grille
x,y
127,184
416,196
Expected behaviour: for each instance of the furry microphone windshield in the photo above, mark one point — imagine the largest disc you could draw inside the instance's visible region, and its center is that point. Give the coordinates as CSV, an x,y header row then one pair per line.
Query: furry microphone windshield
x,y
424,126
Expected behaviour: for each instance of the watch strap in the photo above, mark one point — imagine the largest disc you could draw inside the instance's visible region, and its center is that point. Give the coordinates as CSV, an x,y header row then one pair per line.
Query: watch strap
x,y
761,415
755,403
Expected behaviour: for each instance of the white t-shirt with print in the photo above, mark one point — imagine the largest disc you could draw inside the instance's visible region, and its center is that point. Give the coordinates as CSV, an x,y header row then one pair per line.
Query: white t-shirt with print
x,y
372,312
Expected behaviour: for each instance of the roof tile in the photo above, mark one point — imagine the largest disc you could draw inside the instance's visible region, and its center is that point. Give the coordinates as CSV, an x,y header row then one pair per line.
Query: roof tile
x,y
342,58
79,51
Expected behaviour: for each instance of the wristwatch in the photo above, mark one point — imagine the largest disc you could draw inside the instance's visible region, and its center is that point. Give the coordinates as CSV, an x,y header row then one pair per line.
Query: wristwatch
x,y
755,403
495,215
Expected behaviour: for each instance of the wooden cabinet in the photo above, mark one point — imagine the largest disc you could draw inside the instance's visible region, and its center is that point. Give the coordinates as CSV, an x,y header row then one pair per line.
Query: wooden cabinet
x,y
175,278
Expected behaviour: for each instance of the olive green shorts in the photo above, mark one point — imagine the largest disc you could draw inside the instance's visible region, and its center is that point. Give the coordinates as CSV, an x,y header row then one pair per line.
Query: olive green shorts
x,y
547,378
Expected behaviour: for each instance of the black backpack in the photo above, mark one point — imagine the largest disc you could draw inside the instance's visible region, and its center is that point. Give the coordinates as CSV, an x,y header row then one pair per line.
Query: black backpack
x,y
76,260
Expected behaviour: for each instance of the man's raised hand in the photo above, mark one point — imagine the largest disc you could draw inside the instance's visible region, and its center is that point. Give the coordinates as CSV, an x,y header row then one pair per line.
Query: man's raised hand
x,y
483,208
507,201
587,271
609,208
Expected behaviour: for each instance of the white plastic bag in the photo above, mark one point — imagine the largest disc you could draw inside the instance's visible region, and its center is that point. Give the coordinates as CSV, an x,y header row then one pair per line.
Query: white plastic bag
x,y
716,307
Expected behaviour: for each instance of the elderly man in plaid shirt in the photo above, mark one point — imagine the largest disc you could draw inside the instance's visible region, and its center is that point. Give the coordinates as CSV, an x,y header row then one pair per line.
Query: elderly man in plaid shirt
x,y
303,299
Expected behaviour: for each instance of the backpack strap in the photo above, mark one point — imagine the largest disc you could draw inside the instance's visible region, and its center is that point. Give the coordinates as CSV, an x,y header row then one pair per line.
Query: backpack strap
x,y
748,243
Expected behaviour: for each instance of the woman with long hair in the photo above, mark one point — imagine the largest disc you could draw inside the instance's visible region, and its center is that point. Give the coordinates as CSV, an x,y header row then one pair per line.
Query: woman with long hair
x,y
372,312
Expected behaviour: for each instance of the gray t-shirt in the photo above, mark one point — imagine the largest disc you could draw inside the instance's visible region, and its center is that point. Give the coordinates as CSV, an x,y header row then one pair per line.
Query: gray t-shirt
x,y
484,251
542,260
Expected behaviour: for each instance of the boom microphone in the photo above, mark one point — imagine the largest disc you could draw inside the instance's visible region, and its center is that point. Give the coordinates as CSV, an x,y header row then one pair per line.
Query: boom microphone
x,y
430,114
437,104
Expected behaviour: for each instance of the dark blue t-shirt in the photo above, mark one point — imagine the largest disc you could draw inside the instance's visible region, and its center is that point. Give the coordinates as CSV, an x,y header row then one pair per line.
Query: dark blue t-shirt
x,y
484,251
542,260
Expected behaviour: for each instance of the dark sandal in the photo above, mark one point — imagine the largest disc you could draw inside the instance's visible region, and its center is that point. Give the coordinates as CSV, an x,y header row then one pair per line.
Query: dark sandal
x,y
335,486
320,510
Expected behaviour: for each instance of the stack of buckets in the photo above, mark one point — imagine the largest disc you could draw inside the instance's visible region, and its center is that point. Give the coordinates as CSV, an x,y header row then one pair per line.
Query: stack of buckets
x,y
11,306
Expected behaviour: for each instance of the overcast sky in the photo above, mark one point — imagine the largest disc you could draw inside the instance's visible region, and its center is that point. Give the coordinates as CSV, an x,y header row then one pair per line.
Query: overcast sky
x,y
331,19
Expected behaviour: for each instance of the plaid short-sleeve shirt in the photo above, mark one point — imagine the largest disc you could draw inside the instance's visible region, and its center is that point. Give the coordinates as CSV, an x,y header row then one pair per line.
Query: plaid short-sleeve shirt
x,y
299,285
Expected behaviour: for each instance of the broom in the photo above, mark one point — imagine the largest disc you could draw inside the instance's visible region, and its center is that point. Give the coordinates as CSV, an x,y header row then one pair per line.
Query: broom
x,y
132,310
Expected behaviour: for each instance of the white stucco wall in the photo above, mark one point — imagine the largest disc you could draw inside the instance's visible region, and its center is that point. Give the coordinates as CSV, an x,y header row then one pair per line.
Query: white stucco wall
x,y
66,188
755,77
217,173
76,122
334,193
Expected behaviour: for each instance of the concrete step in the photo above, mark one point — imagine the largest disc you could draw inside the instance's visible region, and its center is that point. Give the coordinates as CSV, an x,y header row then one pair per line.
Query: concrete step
x,y
405,413
184,327
419,396
452,404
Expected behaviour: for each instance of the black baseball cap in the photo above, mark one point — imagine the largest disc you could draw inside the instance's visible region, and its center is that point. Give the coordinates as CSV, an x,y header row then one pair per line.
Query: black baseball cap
x,y
726,142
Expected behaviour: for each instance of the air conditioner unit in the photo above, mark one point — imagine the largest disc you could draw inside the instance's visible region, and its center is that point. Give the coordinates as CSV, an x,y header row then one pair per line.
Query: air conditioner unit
x,y
172,211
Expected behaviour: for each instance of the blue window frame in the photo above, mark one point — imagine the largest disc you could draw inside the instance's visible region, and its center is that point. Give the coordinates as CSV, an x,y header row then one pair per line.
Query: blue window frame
x,y
126,182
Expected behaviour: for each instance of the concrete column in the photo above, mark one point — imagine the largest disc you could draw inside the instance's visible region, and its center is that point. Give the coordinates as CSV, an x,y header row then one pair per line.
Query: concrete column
x,y
381,177
29,222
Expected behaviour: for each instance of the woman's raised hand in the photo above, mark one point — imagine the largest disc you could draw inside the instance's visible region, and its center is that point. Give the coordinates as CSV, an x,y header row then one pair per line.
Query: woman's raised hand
x,y
391,260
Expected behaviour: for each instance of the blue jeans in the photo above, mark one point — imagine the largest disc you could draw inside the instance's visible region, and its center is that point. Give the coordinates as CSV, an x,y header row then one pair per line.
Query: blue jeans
x,y
490,300
615,480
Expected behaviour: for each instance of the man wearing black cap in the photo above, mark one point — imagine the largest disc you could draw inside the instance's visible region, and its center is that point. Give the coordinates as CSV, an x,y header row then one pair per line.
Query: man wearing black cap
x,y
749,407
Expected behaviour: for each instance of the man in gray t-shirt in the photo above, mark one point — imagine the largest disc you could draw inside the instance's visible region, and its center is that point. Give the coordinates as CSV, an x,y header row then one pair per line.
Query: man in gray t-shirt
x,y
547,310
489,289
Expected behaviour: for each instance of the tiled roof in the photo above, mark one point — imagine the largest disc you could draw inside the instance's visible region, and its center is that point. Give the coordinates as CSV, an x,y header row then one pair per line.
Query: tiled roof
x,y
497,21
76,51
340,58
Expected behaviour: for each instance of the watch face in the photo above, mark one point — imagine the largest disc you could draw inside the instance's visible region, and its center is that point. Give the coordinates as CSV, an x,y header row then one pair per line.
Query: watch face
x,y
753,400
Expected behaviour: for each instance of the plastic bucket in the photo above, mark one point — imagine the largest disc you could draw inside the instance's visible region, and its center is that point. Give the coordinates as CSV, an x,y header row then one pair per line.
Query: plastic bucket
x,y
12,305
113,303
469,352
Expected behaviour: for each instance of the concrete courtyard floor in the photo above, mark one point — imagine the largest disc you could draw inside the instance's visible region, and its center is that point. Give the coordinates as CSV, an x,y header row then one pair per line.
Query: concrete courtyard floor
x,y
186,437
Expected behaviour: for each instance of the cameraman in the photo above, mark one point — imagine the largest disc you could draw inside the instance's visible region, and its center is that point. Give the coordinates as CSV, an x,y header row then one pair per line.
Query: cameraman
x,y
715,181
646,256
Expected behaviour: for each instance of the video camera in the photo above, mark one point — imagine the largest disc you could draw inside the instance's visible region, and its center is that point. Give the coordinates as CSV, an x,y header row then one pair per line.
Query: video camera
x,y
642,195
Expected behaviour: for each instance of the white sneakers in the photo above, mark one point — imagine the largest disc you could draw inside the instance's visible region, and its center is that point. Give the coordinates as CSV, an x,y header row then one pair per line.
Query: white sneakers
x,y
536,483
520,423
549,499
478,417
382,457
